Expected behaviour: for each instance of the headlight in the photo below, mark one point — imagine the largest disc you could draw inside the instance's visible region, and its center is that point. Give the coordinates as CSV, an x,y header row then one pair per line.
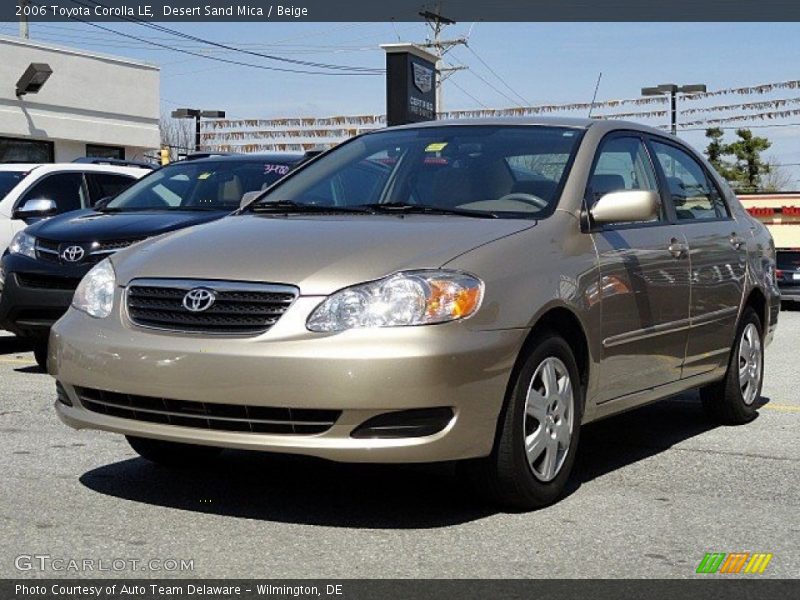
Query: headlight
x,y
408,298
23,243
95,293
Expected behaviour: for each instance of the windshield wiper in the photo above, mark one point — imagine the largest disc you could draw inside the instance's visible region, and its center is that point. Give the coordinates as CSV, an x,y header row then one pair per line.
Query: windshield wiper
x,y
405,208
289,206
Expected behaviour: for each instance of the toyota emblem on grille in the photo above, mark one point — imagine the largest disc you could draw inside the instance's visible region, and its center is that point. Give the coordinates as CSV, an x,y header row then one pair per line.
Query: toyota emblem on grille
x,y
199,299
73,254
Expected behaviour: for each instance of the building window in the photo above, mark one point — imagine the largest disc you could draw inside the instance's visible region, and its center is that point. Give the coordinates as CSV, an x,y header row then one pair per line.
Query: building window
x,y
25,151
98,151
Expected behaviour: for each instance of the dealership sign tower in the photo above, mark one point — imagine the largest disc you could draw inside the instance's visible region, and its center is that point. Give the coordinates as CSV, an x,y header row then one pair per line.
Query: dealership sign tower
x,y
410,84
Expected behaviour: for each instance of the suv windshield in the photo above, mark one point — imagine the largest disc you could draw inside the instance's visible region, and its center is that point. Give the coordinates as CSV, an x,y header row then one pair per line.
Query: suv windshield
x,y
8,180
201,185
514,171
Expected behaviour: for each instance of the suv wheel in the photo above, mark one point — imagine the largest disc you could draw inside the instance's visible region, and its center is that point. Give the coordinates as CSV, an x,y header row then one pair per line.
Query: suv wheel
x,y
172,454
734,399
539,430
40,353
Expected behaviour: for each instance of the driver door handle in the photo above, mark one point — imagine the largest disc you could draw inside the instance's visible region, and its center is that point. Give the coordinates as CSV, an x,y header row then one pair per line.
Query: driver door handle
x,y
677,248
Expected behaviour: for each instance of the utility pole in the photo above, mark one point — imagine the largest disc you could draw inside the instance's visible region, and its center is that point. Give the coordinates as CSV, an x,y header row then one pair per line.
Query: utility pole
x,y
24,30
440,47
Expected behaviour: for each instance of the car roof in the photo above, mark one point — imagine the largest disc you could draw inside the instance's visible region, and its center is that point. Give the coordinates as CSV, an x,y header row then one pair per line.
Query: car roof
x,y
573,123
275,157
80,167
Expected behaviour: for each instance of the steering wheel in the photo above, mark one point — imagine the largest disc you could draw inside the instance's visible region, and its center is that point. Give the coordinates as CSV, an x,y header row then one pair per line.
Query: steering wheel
x,y
524,198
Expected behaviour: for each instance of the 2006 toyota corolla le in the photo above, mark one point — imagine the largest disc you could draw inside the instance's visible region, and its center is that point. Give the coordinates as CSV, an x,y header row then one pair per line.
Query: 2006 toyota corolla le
x,y
470,290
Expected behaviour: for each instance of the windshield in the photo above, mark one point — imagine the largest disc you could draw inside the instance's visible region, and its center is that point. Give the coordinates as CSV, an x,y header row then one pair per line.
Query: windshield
x,y
504,170
9,179
201,185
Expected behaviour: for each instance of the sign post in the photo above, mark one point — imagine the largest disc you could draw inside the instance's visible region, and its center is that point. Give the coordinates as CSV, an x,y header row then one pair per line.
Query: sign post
x,y
410,84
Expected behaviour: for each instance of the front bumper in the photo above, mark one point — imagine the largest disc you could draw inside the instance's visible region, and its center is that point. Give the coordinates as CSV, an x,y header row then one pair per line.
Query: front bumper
x,y
361,373
33,297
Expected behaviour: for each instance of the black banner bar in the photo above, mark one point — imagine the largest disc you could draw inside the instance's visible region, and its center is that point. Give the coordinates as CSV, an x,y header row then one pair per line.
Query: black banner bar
x,y
401,10
732,587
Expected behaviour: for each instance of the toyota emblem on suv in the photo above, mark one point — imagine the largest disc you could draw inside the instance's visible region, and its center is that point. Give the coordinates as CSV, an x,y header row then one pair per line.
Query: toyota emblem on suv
x,y
73,254
199,299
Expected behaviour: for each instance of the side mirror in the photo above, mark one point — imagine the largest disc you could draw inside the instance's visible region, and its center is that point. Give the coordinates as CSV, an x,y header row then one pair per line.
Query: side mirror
x,y
102,202
627,206
248,197
36,209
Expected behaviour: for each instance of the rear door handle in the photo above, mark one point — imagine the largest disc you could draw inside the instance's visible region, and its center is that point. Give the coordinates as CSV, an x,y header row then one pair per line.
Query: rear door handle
x,y
676,248
736,241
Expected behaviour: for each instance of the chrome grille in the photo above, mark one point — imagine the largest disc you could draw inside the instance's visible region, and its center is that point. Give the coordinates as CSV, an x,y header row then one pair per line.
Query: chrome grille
x,y
208,415
47,250
239,308
50,250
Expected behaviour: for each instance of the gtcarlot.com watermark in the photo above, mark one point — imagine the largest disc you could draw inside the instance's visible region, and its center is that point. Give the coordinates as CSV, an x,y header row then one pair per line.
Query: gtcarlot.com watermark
x,y
62,564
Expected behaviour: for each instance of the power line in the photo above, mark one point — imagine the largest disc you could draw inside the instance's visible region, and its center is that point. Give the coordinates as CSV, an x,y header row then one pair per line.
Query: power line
x,y
334,67
732,127
466,93
215,58
513,101
493,72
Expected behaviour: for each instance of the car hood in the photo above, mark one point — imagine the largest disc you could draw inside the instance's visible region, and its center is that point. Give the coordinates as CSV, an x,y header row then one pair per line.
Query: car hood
x,y
90,225
319,254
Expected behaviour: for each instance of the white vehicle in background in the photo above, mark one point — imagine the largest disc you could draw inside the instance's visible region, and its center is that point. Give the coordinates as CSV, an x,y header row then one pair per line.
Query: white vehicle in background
x,y
34,191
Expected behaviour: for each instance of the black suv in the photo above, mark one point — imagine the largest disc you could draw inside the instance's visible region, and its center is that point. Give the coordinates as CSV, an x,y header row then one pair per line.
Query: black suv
x,y
788,274
44,263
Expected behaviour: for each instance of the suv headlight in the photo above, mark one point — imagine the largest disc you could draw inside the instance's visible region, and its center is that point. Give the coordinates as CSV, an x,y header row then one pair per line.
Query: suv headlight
x,y
406,298
95,293
23,243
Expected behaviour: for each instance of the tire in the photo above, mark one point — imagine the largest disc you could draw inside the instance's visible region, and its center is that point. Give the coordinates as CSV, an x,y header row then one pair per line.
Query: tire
x,y
733,401
172,454
40,353
511,476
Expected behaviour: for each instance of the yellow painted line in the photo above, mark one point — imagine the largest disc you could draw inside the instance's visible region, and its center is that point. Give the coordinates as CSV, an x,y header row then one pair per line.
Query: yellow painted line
x,y
782,407
16,361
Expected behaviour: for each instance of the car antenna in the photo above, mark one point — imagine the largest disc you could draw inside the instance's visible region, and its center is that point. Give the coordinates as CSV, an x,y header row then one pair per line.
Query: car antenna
x,y
594,98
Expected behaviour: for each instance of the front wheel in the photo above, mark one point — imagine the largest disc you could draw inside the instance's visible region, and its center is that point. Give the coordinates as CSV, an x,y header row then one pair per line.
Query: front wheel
x,y
538,432
733,400
172,454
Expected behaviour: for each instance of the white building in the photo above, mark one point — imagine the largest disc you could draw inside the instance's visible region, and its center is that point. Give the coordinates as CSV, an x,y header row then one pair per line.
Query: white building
x,y
91,105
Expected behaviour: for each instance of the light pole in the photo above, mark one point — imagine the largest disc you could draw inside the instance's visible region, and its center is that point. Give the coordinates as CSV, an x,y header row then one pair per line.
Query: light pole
x,y
197,114
672,90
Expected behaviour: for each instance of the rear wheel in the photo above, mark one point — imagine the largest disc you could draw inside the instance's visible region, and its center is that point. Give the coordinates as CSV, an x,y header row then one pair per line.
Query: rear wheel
x,y
734,399
40,353
172,454
539,431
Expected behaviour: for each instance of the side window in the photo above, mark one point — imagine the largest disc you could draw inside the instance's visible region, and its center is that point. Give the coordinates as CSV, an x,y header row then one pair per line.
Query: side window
x,y
622,164
692,193
107,184
65,189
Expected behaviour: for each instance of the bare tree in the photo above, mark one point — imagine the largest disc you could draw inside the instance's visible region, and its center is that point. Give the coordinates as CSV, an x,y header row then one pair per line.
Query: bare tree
x,y
776,179
177,135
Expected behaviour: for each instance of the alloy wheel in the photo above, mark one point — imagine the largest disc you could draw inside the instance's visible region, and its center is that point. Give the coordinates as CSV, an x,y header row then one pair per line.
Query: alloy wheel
x,y
750,363
548,420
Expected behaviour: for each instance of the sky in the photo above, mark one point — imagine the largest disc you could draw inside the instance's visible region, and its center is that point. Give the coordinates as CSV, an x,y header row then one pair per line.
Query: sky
x,y
541,63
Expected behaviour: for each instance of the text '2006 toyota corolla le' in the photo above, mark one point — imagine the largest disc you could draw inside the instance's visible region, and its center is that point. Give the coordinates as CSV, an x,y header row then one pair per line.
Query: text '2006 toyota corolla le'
x,y
469,291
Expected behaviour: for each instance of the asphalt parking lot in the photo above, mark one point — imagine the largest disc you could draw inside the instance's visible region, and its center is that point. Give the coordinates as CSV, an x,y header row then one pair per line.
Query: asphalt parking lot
x,y
654,490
